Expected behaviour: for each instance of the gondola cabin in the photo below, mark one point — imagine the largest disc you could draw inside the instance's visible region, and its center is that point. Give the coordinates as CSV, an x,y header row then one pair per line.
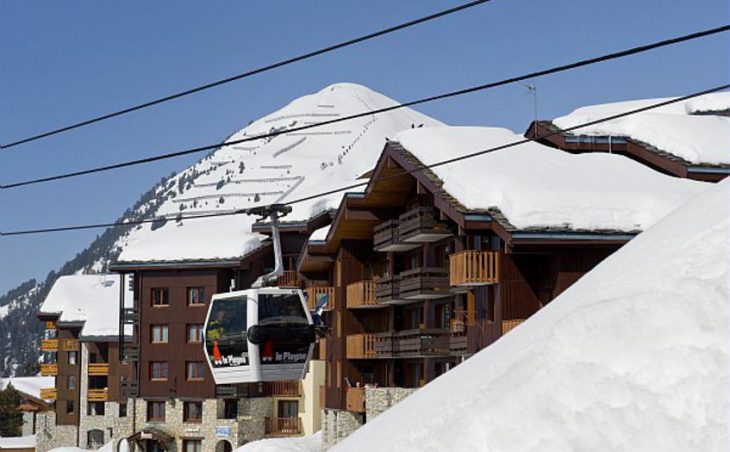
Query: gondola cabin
x,y
263,334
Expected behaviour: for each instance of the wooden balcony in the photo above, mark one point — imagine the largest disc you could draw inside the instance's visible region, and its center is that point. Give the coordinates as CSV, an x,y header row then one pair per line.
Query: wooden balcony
x,y
283,426
49,370
387,291
98,369
424,283
314,293
283,388
419,225
322,348
355,400
48,394
387,238
49,345
360,346
98,395
289,280
509,325
458,343
421,343
474,268
361,295
69,345
50,325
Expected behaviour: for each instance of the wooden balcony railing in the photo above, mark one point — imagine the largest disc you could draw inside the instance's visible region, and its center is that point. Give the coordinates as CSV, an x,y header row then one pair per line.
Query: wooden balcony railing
x,y
69,345
290,279
49,370
424,283
361,295
283,426
419,225
509,325
360,346
98,369
49,345
98,395
48,394
386,237
474,268
284,388
387,290
322,348
355,400
315,293
422,342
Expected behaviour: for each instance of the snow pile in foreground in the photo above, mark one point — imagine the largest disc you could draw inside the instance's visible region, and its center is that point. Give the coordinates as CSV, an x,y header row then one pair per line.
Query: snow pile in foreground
x,y
17,442
535,186
672,128
634,356
311,443
29,385
108,447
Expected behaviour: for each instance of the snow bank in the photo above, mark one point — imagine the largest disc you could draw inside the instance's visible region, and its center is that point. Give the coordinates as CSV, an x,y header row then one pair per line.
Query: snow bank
x,y
28,385
311,443
634,356
537,187
92,299
284,168
108,447
17,442
673,128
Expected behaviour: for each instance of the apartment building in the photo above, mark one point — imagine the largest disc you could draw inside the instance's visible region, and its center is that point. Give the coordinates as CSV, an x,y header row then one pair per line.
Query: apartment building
x,y
428,266
81,351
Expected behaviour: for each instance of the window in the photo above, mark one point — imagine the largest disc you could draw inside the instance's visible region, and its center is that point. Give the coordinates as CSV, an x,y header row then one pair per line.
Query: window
x,y
288,408
159,334
95,409
158,370
73,358
160,297
195,333
192,445
71,382
194,370
122,410
94,439
156,411
196,296
230,409
193,412
69,406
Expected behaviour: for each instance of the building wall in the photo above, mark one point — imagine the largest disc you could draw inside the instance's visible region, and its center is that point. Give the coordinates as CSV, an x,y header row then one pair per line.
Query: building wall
x,y
66,395
49,435
310,409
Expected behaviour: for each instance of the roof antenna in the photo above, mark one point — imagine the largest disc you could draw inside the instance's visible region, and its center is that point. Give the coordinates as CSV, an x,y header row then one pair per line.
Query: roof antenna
x,y
273,211
532,89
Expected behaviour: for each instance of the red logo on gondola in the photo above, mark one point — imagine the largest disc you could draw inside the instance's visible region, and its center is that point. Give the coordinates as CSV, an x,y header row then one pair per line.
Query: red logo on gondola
x,y
216,351
268,353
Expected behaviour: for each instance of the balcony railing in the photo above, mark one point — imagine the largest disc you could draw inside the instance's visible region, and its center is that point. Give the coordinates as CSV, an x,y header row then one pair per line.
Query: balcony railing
x,y
419,225
49,345
422,342
361,295
98,369
70,345
98,395
360,346
387,291
48,394
283,426
386,237
290,279
315,293
355,400
474,268
49,370
322,348
424,283
509,325
284,388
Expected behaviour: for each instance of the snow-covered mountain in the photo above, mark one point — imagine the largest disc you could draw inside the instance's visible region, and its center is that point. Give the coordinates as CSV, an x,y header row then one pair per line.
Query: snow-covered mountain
x,y
288,166
634,356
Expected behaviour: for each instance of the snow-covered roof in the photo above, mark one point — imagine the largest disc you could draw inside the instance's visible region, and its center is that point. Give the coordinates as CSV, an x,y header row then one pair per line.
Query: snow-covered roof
x,y
17,442
89,299
320,234
676,128
28,385
634,356
280,169
535,187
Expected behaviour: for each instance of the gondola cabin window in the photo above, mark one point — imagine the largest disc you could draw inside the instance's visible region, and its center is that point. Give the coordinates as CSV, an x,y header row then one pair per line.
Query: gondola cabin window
x,y
160,297
196,296
158,370
225,336
194,370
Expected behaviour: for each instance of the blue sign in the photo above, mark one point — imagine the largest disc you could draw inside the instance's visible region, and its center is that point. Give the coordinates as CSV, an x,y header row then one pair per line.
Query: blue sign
x,y
223,432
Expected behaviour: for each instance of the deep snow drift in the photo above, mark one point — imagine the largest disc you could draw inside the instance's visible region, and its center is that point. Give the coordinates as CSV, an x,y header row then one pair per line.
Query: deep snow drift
x,y
309,443
634,356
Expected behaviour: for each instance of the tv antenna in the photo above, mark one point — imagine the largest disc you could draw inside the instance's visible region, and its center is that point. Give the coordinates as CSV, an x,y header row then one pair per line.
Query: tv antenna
x,y
532,89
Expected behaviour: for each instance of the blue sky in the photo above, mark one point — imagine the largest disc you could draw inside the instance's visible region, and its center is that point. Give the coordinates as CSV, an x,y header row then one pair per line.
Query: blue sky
x,y
64,61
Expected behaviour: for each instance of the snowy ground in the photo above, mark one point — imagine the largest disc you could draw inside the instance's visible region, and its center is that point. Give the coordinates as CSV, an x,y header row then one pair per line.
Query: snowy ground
x,y
311,443
17,442
634,356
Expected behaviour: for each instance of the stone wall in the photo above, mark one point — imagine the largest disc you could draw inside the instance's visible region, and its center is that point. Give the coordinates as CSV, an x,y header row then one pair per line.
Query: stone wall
x,y
338,425
28,423
49,435
377,400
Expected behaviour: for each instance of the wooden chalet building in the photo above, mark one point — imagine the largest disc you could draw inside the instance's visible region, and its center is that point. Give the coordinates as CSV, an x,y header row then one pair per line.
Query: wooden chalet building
x,y
421,282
